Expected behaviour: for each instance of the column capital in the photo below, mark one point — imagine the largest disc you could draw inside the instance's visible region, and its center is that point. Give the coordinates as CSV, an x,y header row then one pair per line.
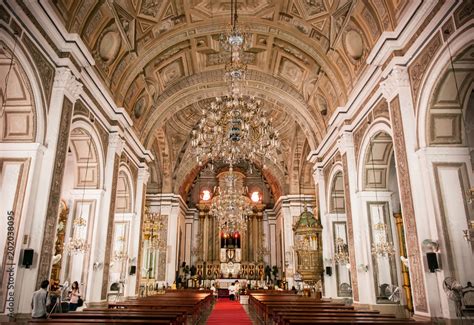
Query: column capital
x,y
64,80
116,143
318,175
143,175
398,78
345,142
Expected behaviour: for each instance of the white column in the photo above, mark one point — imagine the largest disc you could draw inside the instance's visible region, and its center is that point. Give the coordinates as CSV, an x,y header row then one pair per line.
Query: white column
x,y
65,84
424,286
134,243
359,233
98,245
173,209
330,284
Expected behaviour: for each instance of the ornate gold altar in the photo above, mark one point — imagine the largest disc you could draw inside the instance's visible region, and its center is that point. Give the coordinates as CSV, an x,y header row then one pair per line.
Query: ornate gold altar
x,y
218,252
308,247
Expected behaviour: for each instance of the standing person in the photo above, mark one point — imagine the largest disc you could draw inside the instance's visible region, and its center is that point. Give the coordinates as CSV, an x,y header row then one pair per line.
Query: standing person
x,y
40,300
237,290
74,296
232,291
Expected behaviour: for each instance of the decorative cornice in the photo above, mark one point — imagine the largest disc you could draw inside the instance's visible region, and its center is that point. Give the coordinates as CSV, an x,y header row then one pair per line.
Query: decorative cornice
x,y
398,78
345,142
116,143
65,81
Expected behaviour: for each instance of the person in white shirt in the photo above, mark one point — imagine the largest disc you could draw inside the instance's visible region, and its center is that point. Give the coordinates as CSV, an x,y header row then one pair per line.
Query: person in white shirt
x,y
232,291
40,300
214,291
237,290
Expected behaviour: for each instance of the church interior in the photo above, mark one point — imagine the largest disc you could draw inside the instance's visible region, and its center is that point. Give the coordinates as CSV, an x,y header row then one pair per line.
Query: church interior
x,y
302,161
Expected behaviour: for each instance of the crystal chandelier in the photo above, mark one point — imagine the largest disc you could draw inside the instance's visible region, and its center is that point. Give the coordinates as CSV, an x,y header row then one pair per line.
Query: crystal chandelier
x,y
77,244
342,253
234,128
120,253
380,246
152,230
231,206
234,39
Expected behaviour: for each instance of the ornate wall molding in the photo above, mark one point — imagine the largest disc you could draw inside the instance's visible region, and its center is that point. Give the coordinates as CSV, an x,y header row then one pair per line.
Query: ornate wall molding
x,y
54,200
45,69
408,211
420,65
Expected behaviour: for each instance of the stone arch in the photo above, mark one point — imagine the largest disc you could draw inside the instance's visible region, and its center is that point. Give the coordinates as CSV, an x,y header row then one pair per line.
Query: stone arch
x,y
437,70
364,163
444,125
82,132
124,195
24,117
260,85
335,190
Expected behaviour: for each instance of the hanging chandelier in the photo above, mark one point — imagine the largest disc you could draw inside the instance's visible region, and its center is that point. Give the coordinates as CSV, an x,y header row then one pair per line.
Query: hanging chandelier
x,y
380,246
120,253
230,205
234,127
152,230
341,255
234,39
77,244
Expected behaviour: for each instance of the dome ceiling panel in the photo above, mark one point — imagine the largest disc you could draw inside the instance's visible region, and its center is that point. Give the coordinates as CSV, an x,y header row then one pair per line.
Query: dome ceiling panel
x,y
162,61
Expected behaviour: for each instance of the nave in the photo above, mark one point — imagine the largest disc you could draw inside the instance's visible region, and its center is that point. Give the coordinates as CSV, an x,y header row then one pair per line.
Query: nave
x,y
314,146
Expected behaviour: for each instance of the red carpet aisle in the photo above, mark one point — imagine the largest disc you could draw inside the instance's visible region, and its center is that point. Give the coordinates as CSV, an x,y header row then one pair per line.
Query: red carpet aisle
x,y
228,312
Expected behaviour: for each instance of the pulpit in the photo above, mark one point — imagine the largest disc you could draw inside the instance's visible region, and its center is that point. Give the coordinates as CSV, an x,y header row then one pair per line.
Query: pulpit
x,y
308,246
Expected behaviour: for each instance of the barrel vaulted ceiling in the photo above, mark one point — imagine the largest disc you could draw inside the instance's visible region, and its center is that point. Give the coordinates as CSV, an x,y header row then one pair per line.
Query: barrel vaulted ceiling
x,y
161,60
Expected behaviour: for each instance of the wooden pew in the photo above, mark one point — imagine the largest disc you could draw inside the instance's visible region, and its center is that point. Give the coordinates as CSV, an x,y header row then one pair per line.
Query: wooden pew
x,y
286,308
178,307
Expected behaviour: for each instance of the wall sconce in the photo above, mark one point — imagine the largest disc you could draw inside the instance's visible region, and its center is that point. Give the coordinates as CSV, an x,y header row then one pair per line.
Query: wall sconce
x,y
405,261
430,245
469,232
363,268
328,261
97,265
431,248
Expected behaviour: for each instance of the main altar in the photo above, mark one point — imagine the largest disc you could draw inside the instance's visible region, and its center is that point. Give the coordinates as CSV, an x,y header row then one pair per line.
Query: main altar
x,y
230,254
